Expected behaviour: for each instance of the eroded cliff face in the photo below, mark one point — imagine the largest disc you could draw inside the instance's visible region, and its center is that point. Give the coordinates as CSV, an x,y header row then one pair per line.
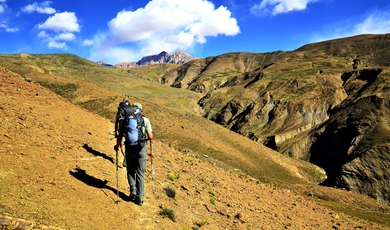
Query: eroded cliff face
x,y
352,142
344,130
274,113
352,146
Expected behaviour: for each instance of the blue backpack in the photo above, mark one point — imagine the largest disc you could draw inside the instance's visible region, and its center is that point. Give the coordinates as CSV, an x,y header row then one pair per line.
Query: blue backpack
x,y
132,128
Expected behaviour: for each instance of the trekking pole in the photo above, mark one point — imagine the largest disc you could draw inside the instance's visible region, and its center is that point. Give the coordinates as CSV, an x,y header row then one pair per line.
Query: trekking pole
x,y
117,180
151,152
112,134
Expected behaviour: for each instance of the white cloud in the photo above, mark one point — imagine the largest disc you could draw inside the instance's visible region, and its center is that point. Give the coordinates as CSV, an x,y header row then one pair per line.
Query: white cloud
x,y
168,25
57,45
88,42
12,30
275,7
114,55
3,9
59,27
65,37
3,6
217,22
43,34
65,21
376,22
8,29
43,8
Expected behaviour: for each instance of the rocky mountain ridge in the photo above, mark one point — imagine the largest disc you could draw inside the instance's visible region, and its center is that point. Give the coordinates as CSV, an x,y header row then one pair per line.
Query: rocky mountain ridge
x,y
180,57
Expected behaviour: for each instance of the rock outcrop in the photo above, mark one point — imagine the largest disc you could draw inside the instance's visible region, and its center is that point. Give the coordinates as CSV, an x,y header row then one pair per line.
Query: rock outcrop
x,y
154,59
126,65
103,63
180,57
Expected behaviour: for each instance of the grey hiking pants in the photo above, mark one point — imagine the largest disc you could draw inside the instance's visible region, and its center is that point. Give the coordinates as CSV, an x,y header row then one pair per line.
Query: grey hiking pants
x,y
136,166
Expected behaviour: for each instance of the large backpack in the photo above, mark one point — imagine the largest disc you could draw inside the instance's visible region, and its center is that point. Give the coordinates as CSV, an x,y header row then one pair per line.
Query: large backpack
x,y
122,114
132,127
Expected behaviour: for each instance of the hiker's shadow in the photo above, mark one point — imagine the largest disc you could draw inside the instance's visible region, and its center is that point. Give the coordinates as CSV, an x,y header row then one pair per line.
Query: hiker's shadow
x,y
81,175
97,153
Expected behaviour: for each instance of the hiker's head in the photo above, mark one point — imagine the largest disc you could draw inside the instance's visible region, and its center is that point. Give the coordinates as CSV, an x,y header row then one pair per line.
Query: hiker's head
x,y
137,104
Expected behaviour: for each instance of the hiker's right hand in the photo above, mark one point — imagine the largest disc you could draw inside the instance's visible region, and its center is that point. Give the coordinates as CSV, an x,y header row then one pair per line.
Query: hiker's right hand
x,y
116,147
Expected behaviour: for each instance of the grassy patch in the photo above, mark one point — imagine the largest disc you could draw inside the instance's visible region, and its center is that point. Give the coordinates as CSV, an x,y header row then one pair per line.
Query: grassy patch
x,y
100,106
366,214
67,91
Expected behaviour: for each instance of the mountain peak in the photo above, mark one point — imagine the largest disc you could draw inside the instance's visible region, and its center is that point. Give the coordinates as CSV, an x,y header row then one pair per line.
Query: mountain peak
x,y
179,57
103,63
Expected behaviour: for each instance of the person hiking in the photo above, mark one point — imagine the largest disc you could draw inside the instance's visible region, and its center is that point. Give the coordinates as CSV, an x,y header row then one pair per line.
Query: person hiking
x,y
135,153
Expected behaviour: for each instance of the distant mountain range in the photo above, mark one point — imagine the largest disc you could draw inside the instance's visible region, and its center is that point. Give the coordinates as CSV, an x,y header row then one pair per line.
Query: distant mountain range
x,y
180,57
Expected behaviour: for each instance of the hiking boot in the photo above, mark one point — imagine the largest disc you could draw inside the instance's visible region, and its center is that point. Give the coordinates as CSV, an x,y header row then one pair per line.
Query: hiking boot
x,y
138,202
132,196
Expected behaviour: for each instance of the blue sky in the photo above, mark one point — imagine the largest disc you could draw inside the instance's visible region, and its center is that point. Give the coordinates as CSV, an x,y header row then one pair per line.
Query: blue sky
x,y
117,31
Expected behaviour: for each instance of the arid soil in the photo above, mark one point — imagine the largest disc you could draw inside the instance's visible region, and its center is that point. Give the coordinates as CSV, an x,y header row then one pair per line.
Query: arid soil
x,y
58,171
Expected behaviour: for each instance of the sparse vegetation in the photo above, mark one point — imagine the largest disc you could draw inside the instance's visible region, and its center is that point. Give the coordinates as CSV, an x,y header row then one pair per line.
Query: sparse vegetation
x,y
170,192
202,223
100,106
169,213
64,90
171,176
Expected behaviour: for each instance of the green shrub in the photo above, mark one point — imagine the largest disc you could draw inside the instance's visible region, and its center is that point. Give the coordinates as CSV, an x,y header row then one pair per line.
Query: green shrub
x,y
211,192
170,192
202,223
171,176
167,212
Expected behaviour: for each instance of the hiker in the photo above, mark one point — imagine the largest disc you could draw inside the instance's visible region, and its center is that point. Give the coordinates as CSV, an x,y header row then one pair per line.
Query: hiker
x,y
136,157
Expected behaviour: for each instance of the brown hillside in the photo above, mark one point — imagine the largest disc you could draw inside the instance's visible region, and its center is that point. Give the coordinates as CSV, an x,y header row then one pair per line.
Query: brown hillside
x,y
173,112
323,103
58,172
